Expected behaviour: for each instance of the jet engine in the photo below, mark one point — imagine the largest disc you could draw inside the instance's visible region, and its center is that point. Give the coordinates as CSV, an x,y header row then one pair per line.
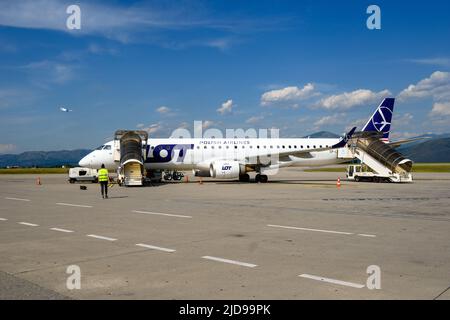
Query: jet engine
x,y
225,169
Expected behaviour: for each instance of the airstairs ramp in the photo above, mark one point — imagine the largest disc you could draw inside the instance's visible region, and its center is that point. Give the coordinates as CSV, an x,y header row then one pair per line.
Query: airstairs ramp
x,y
130,152
379,156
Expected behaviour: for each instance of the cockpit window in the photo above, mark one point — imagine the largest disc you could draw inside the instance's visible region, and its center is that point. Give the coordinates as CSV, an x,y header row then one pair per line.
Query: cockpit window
x,y
100,148
108,147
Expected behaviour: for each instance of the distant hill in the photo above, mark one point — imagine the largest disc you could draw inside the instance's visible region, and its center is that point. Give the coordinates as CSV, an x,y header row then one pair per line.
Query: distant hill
x,y
432,150
43,158
323,134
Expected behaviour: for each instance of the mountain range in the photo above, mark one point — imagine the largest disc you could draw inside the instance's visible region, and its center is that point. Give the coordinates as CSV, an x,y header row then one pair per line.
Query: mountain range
x,y
433,148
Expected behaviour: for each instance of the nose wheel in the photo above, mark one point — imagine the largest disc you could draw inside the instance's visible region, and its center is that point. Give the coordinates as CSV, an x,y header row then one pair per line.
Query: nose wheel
x,y
261,178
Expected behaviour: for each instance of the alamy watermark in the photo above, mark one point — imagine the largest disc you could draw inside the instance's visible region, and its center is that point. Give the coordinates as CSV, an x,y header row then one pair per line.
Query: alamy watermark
x,y
73,281
374,20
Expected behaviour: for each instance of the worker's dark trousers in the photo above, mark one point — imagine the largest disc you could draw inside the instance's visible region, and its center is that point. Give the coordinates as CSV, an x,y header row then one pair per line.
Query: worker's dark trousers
x,y
104,188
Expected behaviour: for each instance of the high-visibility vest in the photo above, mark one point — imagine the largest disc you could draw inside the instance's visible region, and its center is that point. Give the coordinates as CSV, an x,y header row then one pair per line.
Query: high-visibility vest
x,y
103,174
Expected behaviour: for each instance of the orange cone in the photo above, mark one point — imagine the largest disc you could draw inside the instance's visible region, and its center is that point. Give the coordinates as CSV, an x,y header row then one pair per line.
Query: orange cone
x,y
200,181
338,183
38,181
186,179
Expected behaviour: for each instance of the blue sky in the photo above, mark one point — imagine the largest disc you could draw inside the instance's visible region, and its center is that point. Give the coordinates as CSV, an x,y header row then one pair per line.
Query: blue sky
x,y
300,66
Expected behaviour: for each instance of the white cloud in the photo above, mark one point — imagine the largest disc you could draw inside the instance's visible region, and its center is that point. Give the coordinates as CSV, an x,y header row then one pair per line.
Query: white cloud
x,y
47,71
153,128
440,109
207,124
436,86
440,61
163,110
136,22
329,120
402,119
348,100
6,148
226,107
288,94
140,125
254,119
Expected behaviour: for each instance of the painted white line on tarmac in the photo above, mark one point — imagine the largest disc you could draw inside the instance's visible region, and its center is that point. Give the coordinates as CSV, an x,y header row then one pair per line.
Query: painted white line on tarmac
x,y
162,214
367,235
29,224
3,219
239,263
100,237
73,205
333,281
308,229
17,199
61,230
154,247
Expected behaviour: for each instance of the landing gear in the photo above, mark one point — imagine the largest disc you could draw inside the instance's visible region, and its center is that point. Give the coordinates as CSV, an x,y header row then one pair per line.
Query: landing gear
x,y
244,178
261,178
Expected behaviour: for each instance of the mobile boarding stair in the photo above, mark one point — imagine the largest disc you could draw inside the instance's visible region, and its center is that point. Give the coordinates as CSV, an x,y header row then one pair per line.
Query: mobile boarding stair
x,y
130,153
387,163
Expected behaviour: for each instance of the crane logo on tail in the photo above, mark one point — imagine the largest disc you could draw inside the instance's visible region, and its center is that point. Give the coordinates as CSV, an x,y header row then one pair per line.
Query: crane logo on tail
x,y
379,120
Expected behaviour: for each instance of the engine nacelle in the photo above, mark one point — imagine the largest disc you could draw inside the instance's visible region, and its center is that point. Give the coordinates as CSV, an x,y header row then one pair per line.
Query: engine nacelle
x,y
225,169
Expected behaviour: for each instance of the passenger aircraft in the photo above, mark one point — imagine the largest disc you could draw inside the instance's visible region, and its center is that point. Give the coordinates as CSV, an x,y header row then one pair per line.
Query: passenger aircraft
x,y
235,158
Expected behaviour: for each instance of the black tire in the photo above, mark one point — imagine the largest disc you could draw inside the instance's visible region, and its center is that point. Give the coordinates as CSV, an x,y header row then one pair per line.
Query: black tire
x,y
71,180
263,178
258,178
244,178
357,179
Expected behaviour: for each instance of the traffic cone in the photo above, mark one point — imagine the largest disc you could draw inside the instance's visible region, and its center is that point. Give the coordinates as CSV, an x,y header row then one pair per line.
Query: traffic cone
x,y
38,181
186,179
200,181
338,183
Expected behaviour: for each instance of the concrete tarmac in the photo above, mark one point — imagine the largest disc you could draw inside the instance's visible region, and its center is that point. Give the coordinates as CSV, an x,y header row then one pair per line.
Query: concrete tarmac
x,y
297,237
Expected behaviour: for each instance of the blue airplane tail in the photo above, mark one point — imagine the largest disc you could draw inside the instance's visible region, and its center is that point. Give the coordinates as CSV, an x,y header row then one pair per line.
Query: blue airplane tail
x,y
381,119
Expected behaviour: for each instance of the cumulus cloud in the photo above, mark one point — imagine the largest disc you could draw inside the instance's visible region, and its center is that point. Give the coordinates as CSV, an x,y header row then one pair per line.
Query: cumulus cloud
x,y
440,109
348,100
226,107
207,124
329,120
288,94
153,128
163,110
254,119
436,86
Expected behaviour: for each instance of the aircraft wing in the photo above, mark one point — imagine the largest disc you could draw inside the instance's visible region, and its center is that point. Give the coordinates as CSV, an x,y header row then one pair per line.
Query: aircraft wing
x,y
400,142
307,153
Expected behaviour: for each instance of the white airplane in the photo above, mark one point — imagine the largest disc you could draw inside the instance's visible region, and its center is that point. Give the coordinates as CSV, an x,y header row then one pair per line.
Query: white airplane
x,y
234,158
65,109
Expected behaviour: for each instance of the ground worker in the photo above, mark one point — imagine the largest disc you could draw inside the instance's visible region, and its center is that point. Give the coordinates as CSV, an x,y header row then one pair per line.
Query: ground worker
x,y
103,178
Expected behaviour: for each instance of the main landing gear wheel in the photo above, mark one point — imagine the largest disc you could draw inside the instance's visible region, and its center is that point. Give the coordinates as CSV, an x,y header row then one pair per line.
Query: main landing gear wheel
x,y
261,178
244,178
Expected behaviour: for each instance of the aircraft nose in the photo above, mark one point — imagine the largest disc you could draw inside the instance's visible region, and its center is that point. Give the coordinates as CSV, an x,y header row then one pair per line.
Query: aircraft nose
x,y
84,162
